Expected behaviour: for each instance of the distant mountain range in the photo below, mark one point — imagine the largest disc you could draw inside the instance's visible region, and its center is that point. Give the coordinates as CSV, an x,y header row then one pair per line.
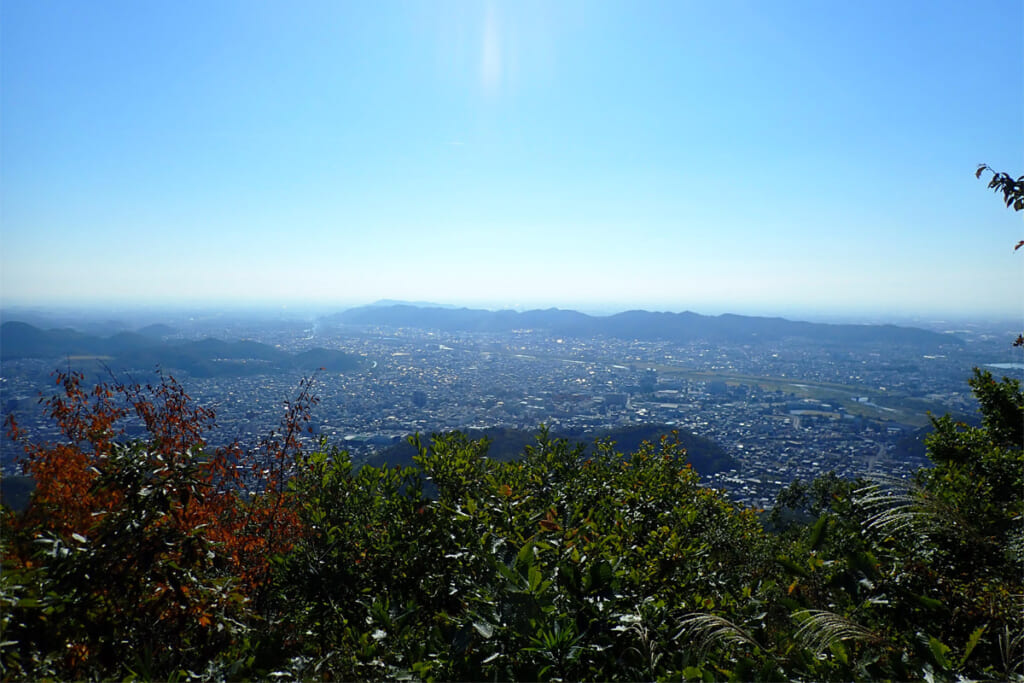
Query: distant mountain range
x,y
417,304
640,325
146,350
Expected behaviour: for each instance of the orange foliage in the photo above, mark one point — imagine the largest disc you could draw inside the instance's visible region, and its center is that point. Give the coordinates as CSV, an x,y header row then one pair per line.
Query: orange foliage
x,y
238,497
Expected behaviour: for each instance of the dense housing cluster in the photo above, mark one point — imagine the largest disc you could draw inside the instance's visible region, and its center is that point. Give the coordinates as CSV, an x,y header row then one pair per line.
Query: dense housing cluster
x,y
781,410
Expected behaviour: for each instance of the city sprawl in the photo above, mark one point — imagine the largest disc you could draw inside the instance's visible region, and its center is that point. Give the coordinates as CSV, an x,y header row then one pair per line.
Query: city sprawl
x,y
782,410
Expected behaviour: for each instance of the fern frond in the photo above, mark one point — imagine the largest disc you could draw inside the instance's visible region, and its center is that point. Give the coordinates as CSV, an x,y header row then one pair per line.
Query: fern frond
x,y
895,505
1011,644
708,630
821,628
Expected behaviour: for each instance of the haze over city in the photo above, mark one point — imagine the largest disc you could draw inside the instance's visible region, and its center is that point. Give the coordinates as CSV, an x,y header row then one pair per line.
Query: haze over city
x,y
785,158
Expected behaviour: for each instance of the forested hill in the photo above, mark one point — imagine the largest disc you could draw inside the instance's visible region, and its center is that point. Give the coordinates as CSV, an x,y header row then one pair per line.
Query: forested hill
x,y
130,351
506,445
642,325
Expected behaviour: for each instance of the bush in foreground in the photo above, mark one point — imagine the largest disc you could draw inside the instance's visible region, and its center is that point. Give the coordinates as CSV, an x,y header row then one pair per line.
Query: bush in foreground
x,y
159,558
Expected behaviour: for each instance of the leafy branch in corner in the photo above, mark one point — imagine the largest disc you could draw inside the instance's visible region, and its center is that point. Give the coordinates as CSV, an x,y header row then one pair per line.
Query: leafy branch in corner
x,y
1013,197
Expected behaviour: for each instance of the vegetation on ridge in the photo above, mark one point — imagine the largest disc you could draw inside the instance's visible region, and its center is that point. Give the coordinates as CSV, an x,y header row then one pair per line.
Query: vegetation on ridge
x,y
157,558
507,444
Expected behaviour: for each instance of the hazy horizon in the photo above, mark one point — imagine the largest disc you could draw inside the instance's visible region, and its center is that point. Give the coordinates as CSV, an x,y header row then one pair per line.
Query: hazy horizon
x,y
143,314
787,158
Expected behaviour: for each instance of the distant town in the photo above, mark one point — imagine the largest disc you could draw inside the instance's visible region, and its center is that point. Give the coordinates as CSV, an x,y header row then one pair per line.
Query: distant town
x,y
782,409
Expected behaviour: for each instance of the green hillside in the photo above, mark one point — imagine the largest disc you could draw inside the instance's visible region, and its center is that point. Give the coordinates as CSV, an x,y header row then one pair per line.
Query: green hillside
x,y
127,351
506,445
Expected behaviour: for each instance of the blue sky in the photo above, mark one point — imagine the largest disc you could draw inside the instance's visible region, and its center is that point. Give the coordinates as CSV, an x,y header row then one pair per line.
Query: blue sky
x,y
751,157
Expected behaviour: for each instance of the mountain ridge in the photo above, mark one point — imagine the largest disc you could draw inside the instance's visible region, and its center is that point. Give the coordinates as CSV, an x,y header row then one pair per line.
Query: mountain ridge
x,y
640,325
130,350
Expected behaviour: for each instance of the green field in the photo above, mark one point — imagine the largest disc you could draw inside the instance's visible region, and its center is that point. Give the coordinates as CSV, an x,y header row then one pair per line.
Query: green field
x,y
881,405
